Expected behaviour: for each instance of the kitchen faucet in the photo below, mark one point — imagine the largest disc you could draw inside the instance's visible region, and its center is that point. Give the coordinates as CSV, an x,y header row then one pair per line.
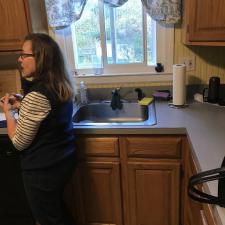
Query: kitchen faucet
x,y
140,93
116,102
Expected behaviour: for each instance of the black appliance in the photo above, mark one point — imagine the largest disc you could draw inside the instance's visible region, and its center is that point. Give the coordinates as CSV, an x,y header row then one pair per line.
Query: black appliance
x,y
210,175
213,90
14,209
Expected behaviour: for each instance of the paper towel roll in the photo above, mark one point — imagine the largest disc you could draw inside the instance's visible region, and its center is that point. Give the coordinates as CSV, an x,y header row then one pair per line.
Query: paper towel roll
x,y
179,84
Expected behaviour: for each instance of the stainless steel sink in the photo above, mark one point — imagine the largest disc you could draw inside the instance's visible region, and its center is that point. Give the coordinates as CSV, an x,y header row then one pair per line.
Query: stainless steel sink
x,y
94,114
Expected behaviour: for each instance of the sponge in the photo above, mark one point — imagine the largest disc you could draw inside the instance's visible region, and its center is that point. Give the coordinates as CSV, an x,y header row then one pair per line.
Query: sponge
x,y
145,101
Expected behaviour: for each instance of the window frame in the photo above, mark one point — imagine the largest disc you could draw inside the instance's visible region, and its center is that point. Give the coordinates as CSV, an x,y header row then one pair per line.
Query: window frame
x,y
165,55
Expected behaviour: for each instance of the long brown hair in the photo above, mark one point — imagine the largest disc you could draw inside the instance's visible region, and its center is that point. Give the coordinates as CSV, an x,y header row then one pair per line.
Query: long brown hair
x,y
50,66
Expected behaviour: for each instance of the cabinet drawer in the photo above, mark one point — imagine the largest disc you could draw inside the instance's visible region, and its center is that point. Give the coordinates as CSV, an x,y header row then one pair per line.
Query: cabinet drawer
x,y
98,146
153,147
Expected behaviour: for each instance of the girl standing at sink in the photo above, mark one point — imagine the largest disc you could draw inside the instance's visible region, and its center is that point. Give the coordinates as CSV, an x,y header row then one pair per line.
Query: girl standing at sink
x,y
43,132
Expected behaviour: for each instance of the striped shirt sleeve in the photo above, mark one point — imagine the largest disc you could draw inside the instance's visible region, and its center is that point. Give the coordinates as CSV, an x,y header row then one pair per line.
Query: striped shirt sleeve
x,y
33,110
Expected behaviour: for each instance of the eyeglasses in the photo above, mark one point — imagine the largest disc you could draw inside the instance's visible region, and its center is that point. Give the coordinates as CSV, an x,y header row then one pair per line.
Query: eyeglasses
x,y
25,55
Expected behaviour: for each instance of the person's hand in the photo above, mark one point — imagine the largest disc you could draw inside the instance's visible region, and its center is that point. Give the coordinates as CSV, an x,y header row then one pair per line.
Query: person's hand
x,y
4,104
15,100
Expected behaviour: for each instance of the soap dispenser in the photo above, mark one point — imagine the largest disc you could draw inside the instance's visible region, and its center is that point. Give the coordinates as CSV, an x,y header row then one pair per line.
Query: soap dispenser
x,y
83,93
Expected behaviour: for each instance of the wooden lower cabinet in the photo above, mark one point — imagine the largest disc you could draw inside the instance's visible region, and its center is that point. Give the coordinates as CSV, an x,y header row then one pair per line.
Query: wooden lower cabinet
x,y
195,213
126,180
154,193
94,195
151,166
98,195
193,209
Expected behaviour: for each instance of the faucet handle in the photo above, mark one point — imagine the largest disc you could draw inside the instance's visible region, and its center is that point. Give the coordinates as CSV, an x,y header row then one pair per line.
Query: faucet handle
x,y
116,101
116,91
140,93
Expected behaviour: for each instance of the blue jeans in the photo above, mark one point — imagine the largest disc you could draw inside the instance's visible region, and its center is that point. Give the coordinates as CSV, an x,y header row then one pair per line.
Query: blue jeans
x,y
44,189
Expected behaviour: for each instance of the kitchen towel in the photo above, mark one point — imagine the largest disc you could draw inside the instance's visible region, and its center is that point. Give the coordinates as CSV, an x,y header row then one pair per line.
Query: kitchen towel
x,y
179,84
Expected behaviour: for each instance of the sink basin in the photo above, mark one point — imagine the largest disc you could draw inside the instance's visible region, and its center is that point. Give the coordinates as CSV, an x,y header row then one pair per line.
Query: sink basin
x,y
94,114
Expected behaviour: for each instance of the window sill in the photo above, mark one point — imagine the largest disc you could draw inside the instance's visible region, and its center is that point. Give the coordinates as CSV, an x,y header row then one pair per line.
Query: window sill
x,y
124,78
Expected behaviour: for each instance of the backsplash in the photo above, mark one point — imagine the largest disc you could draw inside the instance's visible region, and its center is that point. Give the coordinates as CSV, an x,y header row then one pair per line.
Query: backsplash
x,y
127,85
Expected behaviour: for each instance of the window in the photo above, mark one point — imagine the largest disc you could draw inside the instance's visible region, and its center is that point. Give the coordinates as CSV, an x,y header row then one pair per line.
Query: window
x,y
122,40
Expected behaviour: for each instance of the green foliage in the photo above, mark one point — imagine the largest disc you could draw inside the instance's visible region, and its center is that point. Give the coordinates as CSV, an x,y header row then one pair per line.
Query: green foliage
x,y
128,32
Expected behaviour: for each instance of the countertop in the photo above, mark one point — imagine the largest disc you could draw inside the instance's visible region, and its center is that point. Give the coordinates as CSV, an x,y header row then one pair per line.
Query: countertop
x,y
203,123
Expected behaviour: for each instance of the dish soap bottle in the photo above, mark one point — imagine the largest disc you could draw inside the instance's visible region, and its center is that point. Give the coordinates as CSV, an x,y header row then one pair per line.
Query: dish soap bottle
x,y
83,93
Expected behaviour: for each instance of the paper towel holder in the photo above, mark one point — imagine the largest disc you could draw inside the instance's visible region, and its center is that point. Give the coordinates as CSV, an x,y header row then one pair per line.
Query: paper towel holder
x,y
179,86
178,106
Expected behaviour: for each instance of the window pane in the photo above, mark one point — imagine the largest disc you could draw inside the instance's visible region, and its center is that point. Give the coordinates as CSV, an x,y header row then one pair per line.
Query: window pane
x,y
124,33
88,52
151,41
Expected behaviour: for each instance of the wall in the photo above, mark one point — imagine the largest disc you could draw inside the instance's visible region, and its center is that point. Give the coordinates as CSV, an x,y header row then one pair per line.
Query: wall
x,y
209,61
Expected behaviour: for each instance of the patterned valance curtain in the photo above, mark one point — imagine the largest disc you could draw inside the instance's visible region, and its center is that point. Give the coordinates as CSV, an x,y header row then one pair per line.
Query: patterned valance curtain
x,y
61,13
164,11
114,3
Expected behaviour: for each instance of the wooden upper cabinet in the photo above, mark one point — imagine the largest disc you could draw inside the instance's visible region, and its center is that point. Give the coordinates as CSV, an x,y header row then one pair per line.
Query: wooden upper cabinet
x,y
204,22
15,24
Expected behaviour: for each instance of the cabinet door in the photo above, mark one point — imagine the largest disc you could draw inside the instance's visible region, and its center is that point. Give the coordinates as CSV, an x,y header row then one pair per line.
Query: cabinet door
x,y
97,193
195,212
14,23
207,20
154,192
192,208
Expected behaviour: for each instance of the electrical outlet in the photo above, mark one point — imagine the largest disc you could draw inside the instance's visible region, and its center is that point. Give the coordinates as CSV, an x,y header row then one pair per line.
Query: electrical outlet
x,y
189,62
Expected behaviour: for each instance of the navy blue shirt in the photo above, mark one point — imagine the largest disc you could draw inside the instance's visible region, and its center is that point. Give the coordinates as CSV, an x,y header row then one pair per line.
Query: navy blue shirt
x,y
54,140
